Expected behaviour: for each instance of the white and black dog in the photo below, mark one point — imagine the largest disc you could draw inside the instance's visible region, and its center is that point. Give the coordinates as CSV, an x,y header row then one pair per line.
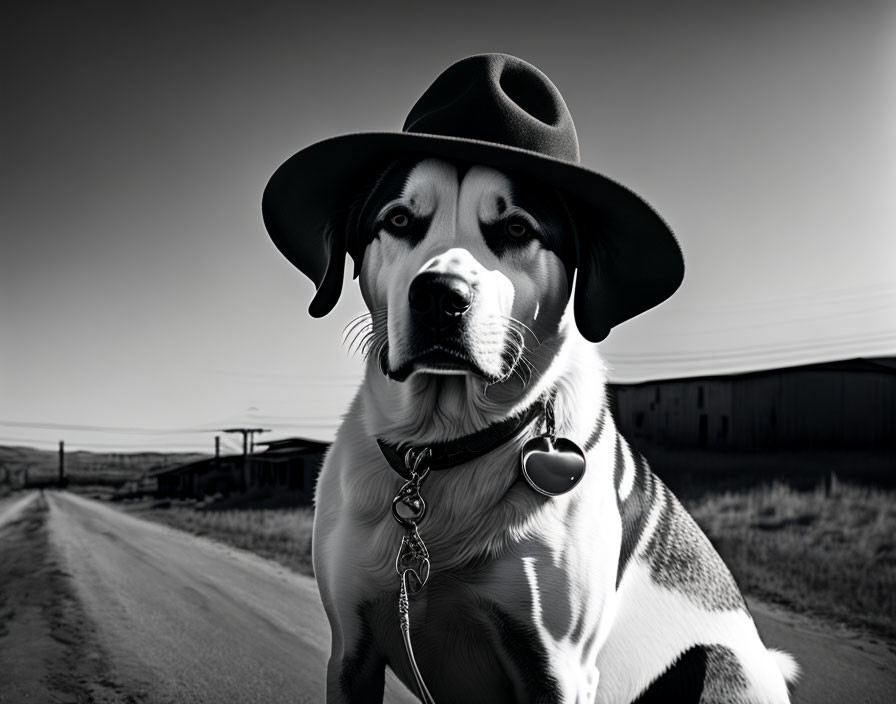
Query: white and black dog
x,y
601,591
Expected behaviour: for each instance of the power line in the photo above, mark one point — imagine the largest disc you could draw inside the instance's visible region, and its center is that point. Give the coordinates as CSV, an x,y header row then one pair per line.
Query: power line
x,y
795,318
74,446
314,421
293,379
104,428
871,292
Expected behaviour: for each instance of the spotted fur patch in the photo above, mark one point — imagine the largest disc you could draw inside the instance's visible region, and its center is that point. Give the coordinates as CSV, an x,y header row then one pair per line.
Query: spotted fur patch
x,y
681,558
725,682
636,508
682,682
703,674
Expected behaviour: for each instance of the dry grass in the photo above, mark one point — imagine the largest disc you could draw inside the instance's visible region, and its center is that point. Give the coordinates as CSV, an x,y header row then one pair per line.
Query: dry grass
x,y
830,556
279,534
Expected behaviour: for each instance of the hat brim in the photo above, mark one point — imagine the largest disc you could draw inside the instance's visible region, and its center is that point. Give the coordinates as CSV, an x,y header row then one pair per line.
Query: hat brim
x,y
643,264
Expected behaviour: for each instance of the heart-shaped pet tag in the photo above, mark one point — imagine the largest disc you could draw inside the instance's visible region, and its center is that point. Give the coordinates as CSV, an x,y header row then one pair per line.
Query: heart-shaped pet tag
x,y
552,467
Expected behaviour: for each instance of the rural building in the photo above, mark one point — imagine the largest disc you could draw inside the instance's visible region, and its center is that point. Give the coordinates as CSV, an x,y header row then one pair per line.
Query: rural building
x,y
838,405
213,475
293,463
289,465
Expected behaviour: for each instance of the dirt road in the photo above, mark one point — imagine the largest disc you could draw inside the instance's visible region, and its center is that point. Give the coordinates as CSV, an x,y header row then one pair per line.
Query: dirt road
x,y
168,617
839,666
187,620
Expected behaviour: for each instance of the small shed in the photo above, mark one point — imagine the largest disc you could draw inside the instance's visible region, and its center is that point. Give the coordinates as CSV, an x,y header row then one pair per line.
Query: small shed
x,y
212,475
291,464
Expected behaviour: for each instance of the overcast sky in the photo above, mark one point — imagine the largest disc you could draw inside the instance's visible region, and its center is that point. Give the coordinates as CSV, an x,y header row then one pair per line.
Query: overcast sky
x,y
139,289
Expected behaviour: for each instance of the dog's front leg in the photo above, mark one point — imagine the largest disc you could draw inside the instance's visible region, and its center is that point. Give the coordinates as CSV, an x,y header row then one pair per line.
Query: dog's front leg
x,y
356,668
355,674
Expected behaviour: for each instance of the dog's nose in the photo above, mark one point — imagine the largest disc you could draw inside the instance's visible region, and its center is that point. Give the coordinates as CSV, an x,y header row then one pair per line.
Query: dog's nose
x,y
439,299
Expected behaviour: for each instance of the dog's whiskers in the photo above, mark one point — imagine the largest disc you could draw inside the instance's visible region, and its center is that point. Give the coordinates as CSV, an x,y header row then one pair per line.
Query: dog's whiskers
x,y
380,353
362,332
525,328
518,364
376,342
371,339
363,319
355,319
362,340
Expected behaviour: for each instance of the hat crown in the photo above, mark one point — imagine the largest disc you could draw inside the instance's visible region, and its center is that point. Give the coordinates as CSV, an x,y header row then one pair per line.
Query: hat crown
x,y
500,99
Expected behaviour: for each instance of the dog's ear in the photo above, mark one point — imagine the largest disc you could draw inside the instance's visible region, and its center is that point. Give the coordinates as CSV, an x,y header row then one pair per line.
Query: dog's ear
x,y
318,251
627,262
315,224
329,288
311,237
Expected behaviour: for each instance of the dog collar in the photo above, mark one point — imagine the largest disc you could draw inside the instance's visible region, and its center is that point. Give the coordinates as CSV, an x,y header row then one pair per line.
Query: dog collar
x,y
447,455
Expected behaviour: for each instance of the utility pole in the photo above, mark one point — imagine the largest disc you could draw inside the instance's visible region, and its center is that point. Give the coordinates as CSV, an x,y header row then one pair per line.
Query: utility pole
x,y
217,447
247,433
61,464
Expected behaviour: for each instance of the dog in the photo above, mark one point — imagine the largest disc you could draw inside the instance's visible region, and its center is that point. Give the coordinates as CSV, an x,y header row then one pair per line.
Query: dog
x,y
483,313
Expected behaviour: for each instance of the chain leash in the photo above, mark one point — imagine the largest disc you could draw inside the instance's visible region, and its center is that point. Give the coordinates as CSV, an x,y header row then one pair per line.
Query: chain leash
x,y
412,561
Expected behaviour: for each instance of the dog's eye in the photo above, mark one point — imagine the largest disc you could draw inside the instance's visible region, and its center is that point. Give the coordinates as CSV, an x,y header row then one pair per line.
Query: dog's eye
x,y
403,224
399,218
517,228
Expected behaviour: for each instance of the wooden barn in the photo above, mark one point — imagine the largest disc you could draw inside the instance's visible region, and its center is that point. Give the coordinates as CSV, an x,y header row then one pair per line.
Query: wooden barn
x,y
288,465
213,475
292,464
838,405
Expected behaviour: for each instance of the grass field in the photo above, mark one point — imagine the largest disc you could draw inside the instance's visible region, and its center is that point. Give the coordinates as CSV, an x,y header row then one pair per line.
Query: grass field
x,y
279,534
832,557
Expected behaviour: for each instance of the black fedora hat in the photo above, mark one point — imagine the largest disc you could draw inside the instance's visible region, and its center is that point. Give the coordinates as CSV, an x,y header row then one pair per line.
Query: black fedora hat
x,y
500,111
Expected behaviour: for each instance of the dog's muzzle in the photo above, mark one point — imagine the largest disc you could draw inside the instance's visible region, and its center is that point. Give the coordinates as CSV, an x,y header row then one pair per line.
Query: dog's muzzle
x,y
441,307
438,301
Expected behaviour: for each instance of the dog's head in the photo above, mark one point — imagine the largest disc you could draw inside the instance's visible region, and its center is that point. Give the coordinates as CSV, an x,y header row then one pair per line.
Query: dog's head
x,y
463,268
467,269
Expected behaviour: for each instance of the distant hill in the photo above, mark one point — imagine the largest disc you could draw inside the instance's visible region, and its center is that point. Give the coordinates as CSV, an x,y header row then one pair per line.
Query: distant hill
x,y
21,464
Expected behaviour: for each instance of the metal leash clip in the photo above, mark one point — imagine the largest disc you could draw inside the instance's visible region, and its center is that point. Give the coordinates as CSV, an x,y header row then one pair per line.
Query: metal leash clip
x,y
408,509
412,560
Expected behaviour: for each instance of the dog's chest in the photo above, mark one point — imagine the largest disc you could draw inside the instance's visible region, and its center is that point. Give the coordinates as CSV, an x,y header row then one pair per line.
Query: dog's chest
x,y
488,633
511,623
512,609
